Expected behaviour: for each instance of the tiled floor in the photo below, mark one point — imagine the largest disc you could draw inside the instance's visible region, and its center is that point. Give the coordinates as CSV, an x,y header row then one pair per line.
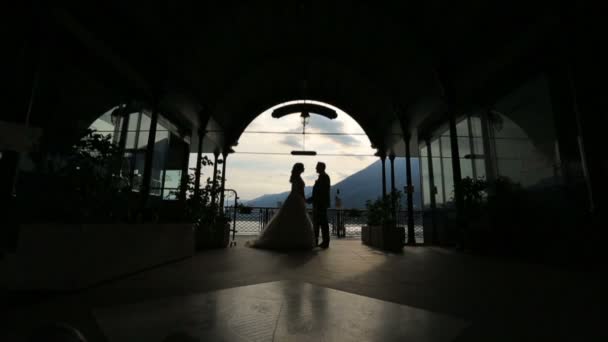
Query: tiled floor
x,y
281,311
448,295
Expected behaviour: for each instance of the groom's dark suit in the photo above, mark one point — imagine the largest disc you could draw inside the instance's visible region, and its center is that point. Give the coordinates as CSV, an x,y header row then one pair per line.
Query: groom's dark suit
x,y
320,202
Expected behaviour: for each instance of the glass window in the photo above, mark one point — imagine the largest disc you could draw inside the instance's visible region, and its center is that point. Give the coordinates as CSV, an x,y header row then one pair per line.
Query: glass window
x,y
446,149
144,126
476,126
448,180
435,148
426,195
437,178
130,143
138,169
161,134
110,125
173,179
462,128
464,147
466,168
480,168
142,140
477,147
423,151
125,167
506,128
133,121
104,124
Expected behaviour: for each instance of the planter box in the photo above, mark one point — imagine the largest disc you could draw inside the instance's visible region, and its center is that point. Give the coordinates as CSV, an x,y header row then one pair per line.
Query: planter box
x,y
213,238
366,235
387,238
428,230
73,256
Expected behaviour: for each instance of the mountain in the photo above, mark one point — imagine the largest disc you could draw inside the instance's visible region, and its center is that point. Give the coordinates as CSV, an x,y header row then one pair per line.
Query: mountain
x,y
359,187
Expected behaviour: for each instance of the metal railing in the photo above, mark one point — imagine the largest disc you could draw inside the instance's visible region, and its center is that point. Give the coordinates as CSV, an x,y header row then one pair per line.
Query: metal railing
x,y
345,223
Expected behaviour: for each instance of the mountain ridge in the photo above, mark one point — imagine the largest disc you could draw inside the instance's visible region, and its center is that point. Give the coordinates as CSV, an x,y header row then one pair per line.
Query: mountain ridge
x,y
357,188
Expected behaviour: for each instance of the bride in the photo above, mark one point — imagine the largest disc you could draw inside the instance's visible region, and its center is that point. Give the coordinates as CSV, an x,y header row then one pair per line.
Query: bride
x,y
290,227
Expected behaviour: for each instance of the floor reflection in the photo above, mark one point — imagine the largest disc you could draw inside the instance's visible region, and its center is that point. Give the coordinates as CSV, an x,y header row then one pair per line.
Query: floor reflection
x,y
280,311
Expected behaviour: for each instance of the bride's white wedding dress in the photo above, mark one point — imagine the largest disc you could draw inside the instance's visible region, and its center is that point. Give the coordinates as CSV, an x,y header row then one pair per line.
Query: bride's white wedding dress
x,y
290,227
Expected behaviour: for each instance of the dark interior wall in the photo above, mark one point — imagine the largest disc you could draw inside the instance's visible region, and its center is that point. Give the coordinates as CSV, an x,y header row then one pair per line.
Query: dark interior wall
x,y
588,72
75,87
21,48
529,106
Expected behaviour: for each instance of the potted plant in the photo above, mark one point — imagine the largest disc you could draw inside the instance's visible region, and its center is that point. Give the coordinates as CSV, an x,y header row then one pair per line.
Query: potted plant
x,y
492,214
78,217
474,193
211,225
78,184
381,230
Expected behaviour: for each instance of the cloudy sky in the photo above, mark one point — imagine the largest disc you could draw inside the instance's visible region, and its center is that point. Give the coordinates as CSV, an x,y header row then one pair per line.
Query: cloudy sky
x,y
253,170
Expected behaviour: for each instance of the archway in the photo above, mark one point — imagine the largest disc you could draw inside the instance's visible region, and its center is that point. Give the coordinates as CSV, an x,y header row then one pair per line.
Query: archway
x,y
260,165
268,142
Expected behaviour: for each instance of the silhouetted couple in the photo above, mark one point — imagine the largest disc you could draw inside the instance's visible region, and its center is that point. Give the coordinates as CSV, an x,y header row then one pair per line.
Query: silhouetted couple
x,y
290,227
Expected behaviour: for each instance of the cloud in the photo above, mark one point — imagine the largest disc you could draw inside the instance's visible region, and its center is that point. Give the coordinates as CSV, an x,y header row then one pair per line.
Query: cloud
x,y
323,125
344,140
292,141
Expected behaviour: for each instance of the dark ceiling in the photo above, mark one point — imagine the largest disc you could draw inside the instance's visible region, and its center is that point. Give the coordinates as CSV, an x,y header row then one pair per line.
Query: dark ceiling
x,y
389,65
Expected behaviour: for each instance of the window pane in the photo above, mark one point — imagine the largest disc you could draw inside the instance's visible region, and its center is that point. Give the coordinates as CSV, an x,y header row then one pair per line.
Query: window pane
x,y
462,128
423,150
424,166
437,176
508,129
480,168
464,147
170,194
130,144
145,122
138,170
173,179
478,147
103,124
476,126
142,141
133,121
466,168
125,167
448,180
161,133
446,149
435,148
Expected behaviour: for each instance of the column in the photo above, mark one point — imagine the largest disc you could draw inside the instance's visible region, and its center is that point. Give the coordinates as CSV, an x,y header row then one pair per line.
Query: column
x,y
216,154
432,192
572,168
459,200
199,159
185,167
411,233
149,157
223,186
391,158
488,149
124,129
383,159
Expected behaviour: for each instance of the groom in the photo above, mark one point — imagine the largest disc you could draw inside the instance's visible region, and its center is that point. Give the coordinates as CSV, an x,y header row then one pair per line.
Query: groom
x,y
320,203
